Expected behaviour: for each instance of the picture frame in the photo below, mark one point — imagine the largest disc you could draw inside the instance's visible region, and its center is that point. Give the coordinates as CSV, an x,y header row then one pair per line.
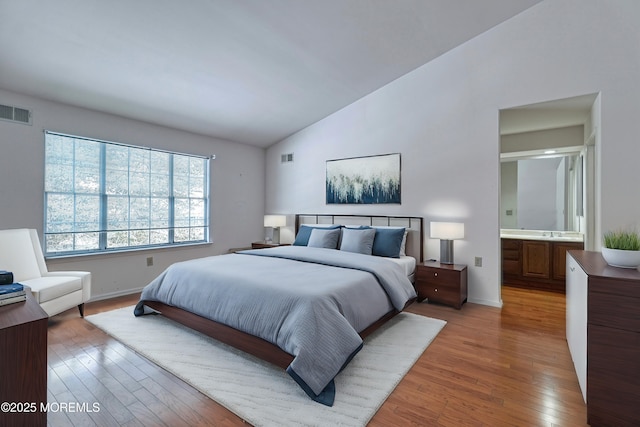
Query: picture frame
x,y
364,180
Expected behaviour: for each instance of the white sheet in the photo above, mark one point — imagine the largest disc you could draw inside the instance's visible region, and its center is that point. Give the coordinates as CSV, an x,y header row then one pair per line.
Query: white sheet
x,y
408,263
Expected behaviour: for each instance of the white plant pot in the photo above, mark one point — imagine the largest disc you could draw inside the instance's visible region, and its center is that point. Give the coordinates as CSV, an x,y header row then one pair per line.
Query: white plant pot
x,y
621,258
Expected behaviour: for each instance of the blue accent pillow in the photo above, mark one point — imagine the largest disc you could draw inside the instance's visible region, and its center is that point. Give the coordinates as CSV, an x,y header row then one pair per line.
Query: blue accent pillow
x,y
327,239
359,240
302,239
388,242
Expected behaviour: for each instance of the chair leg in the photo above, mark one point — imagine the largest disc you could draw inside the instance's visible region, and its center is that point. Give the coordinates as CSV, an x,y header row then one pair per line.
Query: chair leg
x,y
81,308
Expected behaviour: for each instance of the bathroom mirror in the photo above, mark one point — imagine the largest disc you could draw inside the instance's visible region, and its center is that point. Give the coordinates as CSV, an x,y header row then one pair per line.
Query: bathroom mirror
x,y
541,193
547,164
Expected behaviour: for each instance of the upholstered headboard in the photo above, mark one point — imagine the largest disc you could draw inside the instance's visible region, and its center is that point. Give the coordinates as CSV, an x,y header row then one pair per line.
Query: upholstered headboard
x,y
415,230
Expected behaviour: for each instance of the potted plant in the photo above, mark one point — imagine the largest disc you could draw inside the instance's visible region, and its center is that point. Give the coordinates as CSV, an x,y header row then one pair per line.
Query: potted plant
x,y
621,249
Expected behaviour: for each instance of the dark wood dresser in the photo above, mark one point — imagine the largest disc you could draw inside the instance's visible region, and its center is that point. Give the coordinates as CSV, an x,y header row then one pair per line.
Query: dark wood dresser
x,y
613,341
442,283
23,362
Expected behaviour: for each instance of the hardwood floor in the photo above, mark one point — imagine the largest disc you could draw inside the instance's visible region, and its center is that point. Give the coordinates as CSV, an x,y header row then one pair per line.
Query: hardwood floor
x,y
488,367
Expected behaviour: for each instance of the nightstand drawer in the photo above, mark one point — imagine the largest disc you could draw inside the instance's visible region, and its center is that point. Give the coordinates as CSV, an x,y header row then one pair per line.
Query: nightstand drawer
x,y
439,276
442,294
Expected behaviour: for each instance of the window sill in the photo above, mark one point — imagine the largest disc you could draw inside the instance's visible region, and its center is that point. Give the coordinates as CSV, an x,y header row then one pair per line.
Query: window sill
x,y
124,251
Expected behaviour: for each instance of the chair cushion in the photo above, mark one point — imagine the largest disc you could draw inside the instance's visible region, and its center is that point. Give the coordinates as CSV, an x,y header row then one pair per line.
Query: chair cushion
x,y
51,287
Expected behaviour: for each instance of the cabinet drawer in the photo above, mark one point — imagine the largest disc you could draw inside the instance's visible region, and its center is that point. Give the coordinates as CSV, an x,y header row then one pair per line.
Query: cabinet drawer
x,y
511,254
510,244
443,294
440,277
614,362
627,315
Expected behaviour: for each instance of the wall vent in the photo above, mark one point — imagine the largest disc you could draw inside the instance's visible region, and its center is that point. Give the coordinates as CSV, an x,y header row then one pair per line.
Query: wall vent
x,y
15,114
286,158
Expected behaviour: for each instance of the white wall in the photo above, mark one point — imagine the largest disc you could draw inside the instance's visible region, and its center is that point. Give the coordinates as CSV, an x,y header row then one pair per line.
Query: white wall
x,y
237,189
570,136
443,119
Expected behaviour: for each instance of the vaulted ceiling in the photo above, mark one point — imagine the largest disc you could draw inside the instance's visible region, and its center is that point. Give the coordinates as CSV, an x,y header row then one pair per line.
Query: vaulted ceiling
x,y
250,71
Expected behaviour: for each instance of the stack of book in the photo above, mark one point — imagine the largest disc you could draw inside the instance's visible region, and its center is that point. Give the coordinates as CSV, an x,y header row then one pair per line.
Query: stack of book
x,y
14,292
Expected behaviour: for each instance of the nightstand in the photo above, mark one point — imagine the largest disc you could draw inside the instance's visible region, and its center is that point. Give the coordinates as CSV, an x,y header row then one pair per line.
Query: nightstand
x,y
262,245
443,283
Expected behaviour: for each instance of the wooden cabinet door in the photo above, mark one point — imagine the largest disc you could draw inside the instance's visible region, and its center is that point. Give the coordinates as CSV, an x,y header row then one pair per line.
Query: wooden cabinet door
x,y
536,259
560,258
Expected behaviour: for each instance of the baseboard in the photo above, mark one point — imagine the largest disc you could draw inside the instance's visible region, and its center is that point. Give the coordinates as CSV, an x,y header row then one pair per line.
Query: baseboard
x,y
115,294
497,304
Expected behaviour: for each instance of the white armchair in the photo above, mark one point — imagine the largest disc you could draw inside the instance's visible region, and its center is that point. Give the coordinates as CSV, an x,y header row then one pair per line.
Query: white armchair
x,y
55,291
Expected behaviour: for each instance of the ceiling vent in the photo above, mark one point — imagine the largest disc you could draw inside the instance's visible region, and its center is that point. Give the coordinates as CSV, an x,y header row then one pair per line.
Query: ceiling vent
x,y
15,114
286,158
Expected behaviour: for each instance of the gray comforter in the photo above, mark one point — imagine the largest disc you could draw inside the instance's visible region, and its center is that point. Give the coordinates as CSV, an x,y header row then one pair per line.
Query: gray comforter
x,y
310,302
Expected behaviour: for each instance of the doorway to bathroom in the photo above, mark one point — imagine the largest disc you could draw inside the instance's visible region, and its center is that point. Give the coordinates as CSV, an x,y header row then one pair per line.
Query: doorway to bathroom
x,y
547,188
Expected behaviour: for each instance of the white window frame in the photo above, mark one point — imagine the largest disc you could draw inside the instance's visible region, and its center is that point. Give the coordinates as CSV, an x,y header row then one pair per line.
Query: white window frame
x,y
127,208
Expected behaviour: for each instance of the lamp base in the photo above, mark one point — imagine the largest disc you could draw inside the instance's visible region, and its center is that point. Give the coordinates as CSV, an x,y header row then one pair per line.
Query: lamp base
x,y
272,235
446,251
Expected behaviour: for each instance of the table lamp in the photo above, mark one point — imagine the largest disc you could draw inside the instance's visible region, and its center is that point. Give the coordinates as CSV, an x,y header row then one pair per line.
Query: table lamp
x,y
447,232
273,223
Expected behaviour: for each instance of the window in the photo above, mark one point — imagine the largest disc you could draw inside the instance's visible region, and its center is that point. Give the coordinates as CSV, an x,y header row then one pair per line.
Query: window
x,y
102,196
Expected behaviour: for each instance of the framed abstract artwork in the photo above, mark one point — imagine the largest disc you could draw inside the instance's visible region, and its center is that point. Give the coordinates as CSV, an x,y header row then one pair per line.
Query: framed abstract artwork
x,y
364,180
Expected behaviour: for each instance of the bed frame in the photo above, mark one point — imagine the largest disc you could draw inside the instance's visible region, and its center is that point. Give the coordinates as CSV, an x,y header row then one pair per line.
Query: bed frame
x,y
265,350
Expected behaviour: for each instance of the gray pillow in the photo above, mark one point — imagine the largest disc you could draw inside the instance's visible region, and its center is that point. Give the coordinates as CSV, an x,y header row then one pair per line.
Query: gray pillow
x,y
302,239
321,238
358,240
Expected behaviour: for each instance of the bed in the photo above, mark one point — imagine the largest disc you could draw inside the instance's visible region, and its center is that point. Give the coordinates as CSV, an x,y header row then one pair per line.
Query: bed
x,y
304,307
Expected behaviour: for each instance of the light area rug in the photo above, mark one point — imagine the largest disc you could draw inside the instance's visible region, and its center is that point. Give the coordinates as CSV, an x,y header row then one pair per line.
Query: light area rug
x,y
263,394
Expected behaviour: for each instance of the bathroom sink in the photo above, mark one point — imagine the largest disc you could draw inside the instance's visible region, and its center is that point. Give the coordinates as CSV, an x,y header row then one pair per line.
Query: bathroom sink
x,y
564,236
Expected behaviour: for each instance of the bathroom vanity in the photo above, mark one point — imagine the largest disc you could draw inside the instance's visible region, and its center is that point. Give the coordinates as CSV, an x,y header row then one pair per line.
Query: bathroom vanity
x,y
537,259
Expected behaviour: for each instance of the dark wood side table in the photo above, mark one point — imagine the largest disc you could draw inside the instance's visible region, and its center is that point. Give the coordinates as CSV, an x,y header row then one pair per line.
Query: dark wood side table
x,y
608,317
442,283
262,245
23,361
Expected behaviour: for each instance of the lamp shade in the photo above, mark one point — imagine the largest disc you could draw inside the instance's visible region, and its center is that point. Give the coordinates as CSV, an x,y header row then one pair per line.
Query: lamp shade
x,y
275,220
447,230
